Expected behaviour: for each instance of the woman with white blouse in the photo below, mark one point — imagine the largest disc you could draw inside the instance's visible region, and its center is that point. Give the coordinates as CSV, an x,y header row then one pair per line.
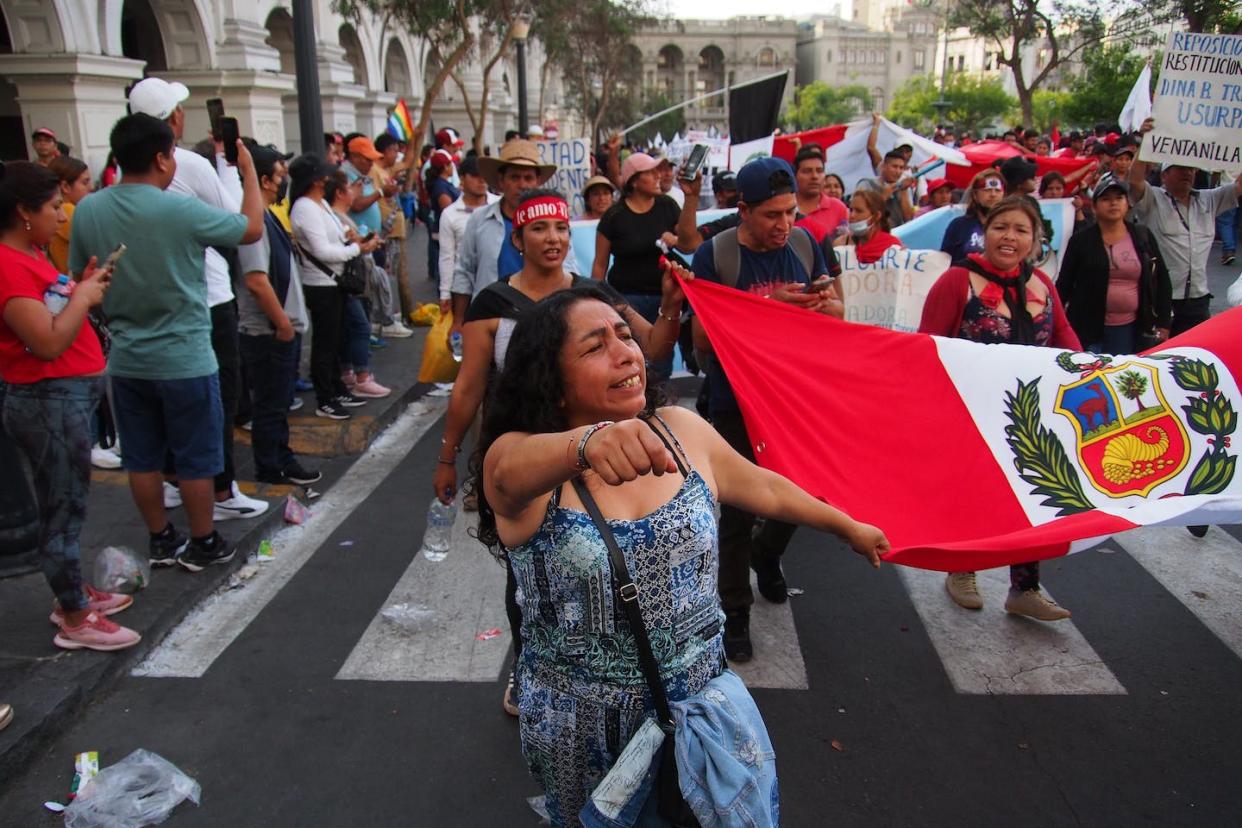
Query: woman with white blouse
x,y
324,248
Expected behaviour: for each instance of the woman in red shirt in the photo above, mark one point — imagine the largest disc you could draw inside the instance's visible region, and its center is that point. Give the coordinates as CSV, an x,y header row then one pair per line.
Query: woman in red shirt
x,y
52,366
869,227
998,296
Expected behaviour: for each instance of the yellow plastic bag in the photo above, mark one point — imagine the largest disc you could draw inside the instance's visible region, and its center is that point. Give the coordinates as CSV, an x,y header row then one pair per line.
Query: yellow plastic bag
x,y
438,363
424,315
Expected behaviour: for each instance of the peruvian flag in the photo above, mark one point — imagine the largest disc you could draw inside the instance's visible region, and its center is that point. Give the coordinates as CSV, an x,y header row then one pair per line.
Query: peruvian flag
x,y
976,456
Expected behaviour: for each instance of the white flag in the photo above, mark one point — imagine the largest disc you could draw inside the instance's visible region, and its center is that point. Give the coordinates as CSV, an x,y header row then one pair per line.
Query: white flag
x,y
1138,105
739,154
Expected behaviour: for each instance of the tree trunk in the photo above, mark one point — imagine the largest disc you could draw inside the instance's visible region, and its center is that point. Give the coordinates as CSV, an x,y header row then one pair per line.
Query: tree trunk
x,y
447,67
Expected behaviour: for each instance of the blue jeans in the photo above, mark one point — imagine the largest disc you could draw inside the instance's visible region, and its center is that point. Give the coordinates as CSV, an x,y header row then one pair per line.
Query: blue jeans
x,y
272,373
50,423
1118,339
1227,229
648,307
355,336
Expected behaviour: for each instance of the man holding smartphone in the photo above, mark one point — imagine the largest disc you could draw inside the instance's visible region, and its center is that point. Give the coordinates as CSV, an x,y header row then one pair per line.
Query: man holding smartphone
x,y
768,255
164,372
217,187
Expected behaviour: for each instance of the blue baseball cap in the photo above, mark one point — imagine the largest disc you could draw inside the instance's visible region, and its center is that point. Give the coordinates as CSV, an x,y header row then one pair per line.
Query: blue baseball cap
x,y
764,178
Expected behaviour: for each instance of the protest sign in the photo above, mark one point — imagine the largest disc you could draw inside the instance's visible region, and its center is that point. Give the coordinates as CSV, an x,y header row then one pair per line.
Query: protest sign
x,y
573,167
717,148
1198,105
889,293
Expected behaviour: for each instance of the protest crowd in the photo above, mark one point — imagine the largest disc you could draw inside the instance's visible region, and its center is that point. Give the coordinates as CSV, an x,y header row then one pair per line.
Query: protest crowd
x,y
272,275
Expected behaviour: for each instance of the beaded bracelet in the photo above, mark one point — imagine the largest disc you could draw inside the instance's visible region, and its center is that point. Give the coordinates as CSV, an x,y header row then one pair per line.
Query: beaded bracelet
x,y
586,435
660,313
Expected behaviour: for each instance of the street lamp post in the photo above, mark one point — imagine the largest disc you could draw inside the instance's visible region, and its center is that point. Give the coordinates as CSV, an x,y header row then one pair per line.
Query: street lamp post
x,y
521,29
310,113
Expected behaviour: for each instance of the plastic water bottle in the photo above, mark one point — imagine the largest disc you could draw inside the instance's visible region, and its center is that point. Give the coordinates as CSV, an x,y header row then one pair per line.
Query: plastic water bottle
x,y
56,297
455,345
439,535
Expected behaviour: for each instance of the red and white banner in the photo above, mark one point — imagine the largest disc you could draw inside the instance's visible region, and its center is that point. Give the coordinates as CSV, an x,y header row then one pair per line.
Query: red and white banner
x,y
976,456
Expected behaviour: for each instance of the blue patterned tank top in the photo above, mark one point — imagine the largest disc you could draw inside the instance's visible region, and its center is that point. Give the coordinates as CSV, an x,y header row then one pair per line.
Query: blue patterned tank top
x,y
575,635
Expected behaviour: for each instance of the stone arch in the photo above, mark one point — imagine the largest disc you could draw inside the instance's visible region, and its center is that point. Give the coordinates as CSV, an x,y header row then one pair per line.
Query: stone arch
x,y
34,26
167,34
711,74
348,38
397,77
279,25
671,72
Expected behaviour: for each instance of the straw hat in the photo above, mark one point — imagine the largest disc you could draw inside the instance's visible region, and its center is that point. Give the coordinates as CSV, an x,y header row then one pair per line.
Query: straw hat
x,y
516,153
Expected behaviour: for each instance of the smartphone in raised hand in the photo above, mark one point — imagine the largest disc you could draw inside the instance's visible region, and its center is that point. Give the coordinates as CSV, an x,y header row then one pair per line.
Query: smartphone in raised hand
x,y
229,133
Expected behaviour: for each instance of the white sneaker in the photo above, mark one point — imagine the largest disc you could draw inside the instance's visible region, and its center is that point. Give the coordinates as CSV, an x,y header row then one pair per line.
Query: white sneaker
x,y
239,507
102,458
172,496
395,330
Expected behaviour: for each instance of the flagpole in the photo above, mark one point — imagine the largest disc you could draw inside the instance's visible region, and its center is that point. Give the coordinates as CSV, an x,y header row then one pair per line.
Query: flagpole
x,y
675,107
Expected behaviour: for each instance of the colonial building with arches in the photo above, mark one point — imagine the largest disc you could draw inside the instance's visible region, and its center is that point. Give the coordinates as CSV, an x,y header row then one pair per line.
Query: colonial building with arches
x,y
682,59
68,65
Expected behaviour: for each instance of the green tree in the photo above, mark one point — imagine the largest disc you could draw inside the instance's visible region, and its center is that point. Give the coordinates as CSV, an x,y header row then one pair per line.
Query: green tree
x,y
1131,385
443,25
1224,16
1049,108
593,44
666,125
1059,30
819,105
973,102
1099,91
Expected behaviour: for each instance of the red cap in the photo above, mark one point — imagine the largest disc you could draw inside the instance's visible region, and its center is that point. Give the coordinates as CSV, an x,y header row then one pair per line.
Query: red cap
x,y
440,159
43,131
934,184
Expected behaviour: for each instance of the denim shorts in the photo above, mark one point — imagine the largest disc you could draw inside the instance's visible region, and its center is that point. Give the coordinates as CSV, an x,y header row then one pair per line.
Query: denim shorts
x,y
181,416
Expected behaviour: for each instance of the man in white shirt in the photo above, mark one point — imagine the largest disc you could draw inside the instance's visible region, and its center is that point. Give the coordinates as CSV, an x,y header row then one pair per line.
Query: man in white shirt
x,y
1183,220
196,178
474,194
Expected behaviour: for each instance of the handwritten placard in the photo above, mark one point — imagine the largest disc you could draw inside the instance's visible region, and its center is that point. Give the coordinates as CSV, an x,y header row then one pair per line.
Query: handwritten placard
x,y
889,293
573,167
1198,104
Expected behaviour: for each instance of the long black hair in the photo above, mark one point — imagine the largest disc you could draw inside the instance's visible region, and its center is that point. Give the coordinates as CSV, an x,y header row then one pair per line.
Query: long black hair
x,y
527,395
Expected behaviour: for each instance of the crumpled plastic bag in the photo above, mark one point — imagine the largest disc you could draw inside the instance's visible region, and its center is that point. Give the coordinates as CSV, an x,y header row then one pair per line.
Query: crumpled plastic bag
x,y
425,315
121,569
438,364
141,789
409,617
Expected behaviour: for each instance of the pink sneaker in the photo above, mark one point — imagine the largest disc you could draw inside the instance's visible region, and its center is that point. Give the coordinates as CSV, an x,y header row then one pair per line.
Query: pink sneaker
x,y
348,378
104,603
96,633
370,389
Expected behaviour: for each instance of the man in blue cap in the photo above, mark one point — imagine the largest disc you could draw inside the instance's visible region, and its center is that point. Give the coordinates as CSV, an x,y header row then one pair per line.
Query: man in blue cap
x,y
765,253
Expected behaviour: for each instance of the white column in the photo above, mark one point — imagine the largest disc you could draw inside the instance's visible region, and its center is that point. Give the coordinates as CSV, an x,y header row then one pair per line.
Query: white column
x,y
77,96
254,98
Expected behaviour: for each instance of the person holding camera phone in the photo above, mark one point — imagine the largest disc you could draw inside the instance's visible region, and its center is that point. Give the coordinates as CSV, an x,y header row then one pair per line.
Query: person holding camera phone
x,y
628,233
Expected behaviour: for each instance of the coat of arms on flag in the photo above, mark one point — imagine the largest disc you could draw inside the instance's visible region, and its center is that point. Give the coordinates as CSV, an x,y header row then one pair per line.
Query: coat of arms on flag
x,y
1129,438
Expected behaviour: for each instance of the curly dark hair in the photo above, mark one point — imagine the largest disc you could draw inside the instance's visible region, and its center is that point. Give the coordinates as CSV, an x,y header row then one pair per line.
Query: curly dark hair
x,y
526,396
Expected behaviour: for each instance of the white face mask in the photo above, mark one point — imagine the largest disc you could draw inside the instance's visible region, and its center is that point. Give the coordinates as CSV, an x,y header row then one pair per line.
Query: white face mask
x,y
858,228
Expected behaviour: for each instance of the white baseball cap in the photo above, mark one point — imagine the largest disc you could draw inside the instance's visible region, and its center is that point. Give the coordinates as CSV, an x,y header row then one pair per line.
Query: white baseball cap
x,y
157,98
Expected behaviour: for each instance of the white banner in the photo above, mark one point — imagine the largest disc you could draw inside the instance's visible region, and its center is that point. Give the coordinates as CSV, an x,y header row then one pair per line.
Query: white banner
x,y
889,293
718,152
1198,105
573,167
739,154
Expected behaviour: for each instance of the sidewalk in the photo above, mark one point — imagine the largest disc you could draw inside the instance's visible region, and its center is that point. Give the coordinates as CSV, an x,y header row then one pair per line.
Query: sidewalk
x,y
49,687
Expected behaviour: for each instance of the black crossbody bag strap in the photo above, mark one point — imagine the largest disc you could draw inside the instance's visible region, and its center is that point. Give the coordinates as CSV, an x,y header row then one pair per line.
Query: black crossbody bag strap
x,y
671,805
627,591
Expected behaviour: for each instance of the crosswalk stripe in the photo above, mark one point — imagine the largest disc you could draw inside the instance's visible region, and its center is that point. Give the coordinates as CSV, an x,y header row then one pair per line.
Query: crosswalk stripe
x,y
1204,574
464,594
991,652
191,648
778,662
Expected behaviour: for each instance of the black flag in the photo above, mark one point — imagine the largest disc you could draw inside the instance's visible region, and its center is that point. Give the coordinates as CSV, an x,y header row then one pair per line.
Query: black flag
x,y
755,108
